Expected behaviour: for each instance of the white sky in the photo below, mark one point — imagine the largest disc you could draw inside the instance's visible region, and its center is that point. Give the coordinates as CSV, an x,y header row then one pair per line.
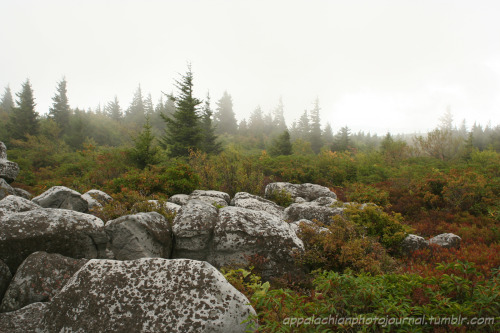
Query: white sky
x,y
375,66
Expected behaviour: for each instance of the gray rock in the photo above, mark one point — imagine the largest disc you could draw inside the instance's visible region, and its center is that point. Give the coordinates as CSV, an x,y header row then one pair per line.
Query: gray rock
x,y
241,233
220,199
8,170
139,236
447,240
24,320
96,198
179,199
312,211
307,191
22,193
5,189
147,295
62,197
254,202
193,230
5,277
15,204
38,279
66,232
157,205
413,243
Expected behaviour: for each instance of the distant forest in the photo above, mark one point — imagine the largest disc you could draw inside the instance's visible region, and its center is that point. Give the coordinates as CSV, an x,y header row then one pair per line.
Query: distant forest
x,y
179,123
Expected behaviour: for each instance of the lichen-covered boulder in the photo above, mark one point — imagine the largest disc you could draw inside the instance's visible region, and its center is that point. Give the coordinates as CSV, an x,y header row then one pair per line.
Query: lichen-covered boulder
x,y
72,234
157,206
5,277
241,233
38,279
193,230
218,198
15,204
140,235
297,225
23,320
62,197
447,240
179,199
147,295
5,189
307,191
96,198
8,169
413,243
319,209
254,202
22,193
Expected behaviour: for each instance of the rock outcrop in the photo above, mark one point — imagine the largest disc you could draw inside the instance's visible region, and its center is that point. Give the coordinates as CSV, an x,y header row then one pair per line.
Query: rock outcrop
x,y
15,204
218,198
8,170
147,295
66,232
38,279
96,198
321,209
254,202
140,235
63,198
179,199
307,191
24,320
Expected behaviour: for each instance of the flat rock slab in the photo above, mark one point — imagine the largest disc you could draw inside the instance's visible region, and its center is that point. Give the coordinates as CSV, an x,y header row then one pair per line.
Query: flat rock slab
x,y
141,235
147,295
66,232
38,279
62,197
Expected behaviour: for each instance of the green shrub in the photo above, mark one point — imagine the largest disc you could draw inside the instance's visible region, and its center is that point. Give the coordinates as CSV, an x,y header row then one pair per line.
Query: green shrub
x,y
281,197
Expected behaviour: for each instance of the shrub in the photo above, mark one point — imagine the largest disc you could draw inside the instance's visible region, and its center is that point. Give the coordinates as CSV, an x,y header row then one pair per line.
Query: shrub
x,y
281,197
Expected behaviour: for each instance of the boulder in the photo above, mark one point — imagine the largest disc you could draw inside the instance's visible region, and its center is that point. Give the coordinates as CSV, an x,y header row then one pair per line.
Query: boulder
x,y
24,320
139,236
157,206
62,197
96,198
179,199
318,209
254,202
193,230
15,204
220,199
307,191
413,243
66,232
5,277
241,233
5,189
8,169
22,193
38,279
447,240
147,295
296,226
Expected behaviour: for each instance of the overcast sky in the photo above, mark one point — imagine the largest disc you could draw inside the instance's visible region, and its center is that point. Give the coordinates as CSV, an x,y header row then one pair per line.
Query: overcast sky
x,y
375,66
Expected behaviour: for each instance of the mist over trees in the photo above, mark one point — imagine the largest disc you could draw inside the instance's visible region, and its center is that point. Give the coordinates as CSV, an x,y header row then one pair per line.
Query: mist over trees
x,y
180,123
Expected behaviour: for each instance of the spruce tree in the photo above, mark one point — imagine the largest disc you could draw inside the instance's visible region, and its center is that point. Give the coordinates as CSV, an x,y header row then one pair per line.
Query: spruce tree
x,y
315,136
182,132
303,127
225,119
113,110
328,137
281,145
136,111
342,140
145,152
209,142
24,118
279,123
7,102
60,111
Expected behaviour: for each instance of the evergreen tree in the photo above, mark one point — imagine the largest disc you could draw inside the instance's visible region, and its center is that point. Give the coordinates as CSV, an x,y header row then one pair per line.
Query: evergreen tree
x,y
281,145
303,127
136,111
145,152
149,108
7,102
279,123
243,127
342,140
225,118
182,131
315,135
60,111
24,118
113,110
209,142
328,135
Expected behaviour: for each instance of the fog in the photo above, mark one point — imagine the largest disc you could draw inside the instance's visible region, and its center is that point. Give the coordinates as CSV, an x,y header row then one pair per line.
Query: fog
x,y
375,66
